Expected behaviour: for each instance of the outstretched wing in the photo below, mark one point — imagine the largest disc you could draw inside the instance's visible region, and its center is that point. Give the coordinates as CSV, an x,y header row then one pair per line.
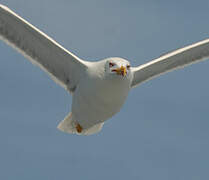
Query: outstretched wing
x,y
64,67
171,61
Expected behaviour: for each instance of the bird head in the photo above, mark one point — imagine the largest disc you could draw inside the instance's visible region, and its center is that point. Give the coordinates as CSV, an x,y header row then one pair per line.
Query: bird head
x,y
118,66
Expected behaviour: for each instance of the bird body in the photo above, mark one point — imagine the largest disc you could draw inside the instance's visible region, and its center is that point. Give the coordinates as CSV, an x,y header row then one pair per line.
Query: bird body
x,y
99,89
96,88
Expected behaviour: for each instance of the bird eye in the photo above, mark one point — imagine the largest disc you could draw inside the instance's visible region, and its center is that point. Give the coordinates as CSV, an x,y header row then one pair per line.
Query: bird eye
x,y
128,66
111,64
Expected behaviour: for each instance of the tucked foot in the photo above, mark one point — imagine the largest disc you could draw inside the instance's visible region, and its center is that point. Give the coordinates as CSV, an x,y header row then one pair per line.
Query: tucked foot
x,y
79,128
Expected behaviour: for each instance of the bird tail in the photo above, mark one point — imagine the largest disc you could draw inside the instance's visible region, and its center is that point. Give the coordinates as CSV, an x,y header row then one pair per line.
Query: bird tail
x,y
68,125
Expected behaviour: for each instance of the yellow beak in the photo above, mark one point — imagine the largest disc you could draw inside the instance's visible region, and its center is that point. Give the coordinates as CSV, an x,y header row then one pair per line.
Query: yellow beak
x,y
121,71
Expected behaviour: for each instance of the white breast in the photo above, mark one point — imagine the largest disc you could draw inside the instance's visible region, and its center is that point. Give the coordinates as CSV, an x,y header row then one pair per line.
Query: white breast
x,y
97,99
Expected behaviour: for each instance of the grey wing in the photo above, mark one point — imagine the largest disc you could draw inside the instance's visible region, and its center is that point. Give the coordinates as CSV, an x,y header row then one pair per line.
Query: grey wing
x,y
171,61
64,67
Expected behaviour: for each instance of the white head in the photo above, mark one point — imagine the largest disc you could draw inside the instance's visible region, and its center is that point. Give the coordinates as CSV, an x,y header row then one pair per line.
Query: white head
x,y
117,67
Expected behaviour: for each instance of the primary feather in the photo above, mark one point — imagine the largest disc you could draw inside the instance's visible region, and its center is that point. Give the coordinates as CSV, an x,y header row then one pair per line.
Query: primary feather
x,y
171,61
63,66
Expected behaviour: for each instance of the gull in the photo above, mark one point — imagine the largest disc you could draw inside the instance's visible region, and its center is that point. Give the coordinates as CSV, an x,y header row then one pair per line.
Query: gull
x,y
98,89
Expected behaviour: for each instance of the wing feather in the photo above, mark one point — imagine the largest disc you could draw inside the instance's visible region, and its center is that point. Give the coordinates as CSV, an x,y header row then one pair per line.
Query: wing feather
x,y
171,61
63,66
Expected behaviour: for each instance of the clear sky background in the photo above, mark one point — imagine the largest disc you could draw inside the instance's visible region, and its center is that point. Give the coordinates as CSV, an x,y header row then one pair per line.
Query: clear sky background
x,y
162,131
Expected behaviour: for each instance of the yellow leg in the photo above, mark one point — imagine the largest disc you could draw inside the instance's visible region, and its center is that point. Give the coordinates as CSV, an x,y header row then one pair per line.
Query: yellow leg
x,y
79,128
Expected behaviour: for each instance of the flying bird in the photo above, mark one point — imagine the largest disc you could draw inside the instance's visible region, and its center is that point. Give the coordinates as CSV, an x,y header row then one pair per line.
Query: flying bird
x,y
99,89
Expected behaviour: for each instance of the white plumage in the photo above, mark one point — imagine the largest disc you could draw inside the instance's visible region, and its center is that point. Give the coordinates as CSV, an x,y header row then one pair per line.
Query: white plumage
x,y
99,89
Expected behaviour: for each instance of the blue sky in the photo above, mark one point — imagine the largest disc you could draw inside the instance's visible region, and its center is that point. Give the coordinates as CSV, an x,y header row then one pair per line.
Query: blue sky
x,y
162,131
